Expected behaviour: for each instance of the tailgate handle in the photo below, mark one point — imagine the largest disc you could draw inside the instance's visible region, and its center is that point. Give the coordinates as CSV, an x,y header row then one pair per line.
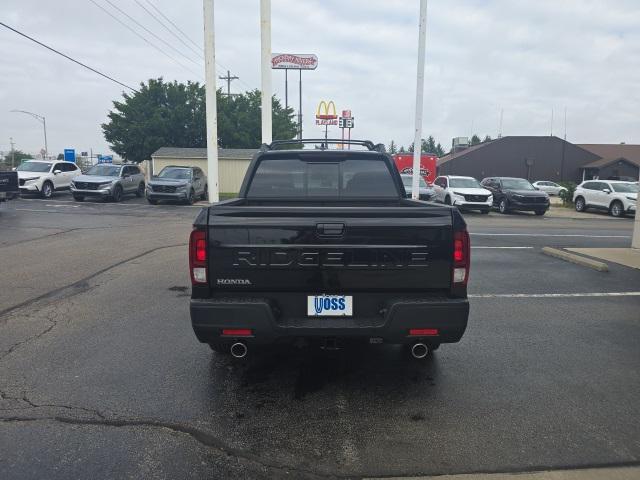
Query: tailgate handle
x,y
331,229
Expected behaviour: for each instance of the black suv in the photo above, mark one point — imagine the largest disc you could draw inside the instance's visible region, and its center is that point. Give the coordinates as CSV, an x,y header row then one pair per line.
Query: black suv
x,y
516,194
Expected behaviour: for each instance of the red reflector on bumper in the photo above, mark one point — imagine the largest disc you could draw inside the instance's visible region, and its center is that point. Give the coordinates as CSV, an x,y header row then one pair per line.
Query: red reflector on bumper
x,y
237,332
423,332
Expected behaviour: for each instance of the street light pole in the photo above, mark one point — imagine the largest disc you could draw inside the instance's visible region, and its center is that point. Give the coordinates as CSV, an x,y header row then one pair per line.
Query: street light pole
x,y
211,101
265,67
417,138
42,120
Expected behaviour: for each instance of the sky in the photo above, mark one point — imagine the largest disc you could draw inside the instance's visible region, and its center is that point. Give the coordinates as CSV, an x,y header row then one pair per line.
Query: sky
x,y
520,57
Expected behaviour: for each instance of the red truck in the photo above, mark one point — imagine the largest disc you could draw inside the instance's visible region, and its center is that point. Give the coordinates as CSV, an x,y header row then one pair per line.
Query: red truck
x,y
404,164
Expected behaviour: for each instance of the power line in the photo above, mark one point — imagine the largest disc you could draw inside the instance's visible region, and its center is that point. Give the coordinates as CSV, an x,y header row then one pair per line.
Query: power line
x,y
175,26
189,38
199,54
128,27
69,58
151,33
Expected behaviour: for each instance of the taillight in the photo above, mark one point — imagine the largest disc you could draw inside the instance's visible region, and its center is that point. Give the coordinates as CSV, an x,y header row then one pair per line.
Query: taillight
x,y
237,332
198,257
423,332
461,256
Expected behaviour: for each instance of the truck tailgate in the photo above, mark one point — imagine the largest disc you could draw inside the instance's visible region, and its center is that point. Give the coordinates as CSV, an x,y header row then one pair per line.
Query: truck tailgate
x,y
403,248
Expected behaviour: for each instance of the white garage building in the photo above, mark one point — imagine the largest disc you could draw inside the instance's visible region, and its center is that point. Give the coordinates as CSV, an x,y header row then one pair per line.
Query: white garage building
x,y
232,163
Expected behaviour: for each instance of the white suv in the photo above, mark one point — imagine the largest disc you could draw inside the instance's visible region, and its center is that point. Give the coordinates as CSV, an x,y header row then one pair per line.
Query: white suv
x,y
615,196
46,176
464,192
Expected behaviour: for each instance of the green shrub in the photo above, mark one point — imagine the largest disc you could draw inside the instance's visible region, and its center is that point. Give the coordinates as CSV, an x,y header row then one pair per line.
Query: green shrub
x,y
567,195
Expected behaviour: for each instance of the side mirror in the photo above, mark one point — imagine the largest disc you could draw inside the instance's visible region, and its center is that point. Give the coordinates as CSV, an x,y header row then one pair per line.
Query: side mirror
x,y
606,190
56,172
126,175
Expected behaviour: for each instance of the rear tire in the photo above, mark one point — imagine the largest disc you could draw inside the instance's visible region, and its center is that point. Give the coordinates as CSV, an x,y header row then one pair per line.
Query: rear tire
x,y
191,198
152,201
617,209
484,212
205,194
581,205
540,212
78,198
503,207
140,191
447,200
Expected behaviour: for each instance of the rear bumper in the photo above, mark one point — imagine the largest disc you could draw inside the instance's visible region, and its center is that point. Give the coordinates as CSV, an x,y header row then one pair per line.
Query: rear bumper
x,y
449,316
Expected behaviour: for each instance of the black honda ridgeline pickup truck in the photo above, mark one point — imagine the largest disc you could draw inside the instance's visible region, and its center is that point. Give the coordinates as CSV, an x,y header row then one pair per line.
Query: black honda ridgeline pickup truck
x,y
322,247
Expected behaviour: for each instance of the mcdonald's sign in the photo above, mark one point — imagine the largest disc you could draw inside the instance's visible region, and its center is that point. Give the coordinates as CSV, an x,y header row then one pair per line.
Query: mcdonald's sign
x,y
326,113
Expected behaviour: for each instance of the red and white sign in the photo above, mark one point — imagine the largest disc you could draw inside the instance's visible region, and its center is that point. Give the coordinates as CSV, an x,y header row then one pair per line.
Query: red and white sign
x,y
294,61
404,164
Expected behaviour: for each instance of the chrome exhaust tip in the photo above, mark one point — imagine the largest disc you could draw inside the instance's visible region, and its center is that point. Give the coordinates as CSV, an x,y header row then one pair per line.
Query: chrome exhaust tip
x,y
239,350
419,350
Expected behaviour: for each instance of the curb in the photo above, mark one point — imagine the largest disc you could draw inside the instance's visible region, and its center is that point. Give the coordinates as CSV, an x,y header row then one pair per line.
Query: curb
x,y
577,259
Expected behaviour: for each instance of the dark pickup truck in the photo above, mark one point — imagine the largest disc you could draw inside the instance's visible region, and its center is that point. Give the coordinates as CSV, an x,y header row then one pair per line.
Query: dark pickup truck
x,y
8,186
322,247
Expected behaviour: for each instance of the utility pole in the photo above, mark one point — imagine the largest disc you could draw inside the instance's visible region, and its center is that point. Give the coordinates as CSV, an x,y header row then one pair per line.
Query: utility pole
x,y
417,138
13,152
265,67
551,122
210,98
500,124
229,79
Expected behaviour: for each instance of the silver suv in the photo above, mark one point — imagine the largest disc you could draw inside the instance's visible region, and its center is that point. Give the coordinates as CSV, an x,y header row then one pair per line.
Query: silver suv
x,y
184,184
108,182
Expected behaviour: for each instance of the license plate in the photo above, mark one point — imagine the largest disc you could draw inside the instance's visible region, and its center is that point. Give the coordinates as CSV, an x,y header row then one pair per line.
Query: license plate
x,y
329,305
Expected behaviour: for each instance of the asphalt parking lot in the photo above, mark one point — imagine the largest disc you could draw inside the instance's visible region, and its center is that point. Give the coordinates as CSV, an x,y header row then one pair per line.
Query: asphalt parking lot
x,y
102,377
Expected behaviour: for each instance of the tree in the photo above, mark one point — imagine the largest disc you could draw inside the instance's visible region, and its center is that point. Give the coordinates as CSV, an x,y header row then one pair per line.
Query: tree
x,y
429,145
239,122
173,114
439,150
402,150
487,138
411,148
60,156
392,147
475,140
15,157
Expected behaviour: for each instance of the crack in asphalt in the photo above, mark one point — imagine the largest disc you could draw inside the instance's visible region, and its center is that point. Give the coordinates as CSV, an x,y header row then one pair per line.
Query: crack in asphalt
x,y
15,346
32,405
81,285
202,437
22,242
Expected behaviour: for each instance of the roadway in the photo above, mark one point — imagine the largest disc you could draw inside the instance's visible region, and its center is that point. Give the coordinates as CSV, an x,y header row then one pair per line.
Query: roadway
x,y
101,376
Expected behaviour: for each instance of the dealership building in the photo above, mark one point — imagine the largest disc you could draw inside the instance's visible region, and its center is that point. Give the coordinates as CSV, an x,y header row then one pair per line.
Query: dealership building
x,y
542,158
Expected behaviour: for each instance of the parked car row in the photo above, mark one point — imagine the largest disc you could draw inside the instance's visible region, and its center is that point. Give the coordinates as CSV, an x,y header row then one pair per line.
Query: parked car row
x,y
504,193
111,182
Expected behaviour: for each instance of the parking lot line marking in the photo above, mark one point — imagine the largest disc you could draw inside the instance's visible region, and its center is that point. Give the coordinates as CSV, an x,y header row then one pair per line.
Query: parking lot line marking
x,y
546,235
32,210
503,248
60,206
554,295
